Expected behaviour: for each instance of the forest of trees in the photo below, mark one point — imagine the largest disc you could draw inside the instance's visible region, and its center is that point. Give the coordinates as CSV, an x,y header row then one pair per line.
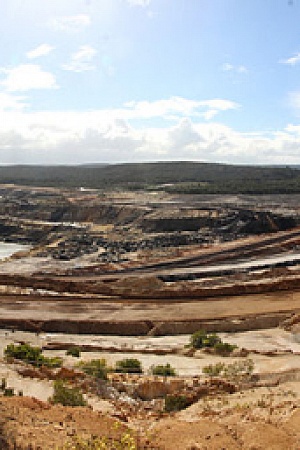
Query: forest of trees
x,y
185,177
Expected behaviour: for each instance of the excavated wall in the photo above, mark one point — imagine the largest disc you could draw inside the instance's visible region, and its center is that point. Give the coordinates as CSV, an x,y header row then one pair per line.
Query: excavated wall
x,y
145,327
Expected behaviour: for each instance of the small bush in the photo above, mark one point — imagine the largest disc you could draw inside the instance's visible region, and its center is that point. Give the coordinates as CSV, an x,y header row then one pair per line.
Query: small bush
x,y
235,372
52,363
24,352
224,349
163,370
176,402
31,355
66,396
213,370
96,368
125,442
201,339
240,370
129,365
8,392
74,351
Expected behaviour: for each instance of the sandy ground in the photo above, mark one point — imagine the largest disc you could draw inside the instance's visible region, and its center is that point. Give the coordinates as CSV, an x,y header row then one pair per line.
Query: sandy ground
x,y
103,310
40,389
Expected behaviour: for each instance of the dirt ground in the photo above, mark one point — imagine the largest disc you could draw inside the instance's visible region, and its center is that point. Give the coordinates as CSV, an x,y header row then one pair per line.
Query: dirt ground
x,y
23,307
270,423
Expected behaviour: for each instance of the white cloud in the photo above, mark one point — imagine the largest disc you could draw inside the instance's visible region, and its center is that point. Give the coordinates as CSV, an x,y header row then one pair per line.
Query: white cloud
x,y
174,107
210,114
26,77
219,104
10,102
142,3
292,61
226,67
70,23
41,50
58,137
81,60
184,135
162,108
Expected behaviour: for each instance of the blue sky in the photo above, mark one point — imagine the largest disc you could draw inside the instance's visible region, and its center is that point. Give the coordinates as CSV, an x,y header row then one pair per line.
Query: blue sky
x,y
85,81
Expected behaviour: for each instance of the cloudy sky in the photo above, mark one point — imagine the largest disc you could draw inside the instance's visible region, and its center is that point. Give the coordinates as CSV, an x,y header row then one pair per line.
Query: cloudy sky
x,y
86,81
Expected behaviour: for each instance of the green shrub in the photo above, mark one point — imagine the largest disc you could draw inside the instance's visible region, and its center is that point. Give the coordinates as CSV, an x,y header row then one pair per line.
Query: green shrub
x,y
8,392
239,370
126,441
176,402
235,372
213,370
56,361
200,339
129,365
24,352
74,351
224,349
96,368
31,355
163,370
66,396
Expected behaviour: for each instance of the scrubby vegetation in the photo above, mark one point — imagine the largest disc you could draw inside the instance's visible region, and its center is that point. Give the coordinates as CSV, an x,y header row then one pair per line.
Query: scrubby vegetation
x,y
5,391
74,351
96,368
214,370
176,402
238,371
224,348
66,396
126,442
31,355
200,339
164,370
129,365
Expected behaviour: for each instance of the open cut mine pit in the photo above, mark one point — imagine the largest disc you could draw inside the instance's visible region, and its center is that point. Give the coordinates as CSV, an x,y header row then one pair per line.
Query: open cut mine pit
x,y
147,263
130,276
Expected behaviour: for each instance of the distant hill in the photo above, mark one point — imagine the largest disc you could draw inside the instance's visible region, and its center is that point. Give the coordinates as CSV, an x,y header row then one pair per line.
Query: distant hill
x,y
188,177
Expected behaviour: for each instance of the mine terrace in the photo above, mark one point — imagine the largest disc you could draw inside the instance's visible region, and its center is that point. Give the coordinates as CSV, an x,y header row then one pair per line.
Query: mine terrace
x,y
96,261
